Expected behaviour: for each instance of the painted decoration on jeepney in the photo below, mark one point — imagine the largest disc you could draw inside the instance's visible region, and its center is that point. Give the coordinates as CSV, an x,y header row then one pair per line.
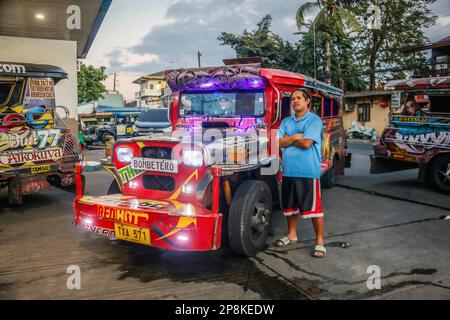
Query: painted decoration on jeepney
x,y
216,78
25,156
30,139
127,174
417,139
39,93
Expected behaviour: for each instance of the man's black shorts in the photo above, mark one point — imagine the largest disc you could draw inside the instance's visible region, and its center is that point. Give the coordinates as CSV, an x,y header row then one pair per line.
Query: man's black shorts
x,y
301,196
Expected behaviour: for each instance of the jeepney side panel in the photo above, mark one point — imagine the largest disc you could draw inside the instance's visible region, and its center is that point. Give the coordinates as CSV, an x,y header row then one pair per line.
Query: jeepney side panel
x,y
415,139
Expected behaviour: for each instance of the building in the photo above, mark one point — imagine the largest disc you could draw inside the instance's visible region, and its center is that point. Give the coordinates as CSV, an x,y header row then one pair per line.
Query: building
x,y
52,32
153,89
370,108
440,58
111,99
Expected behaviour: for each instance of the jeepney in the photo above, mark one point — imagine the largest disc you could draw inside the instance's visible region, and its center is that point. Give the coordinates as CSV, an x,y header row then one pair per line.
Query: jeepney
x,y
109,124
418,135
37,150
216,178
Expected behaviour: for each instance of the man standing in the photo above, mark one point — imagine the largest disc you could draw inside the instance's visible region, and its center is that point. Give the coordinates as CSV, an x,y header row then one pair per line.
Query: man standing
x,y
300,137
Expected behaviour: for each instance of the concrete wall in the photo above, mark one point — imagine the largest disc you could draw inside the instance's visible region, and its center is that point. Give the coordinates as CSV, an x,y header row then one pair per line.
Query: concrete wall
x,y
59,53
379,117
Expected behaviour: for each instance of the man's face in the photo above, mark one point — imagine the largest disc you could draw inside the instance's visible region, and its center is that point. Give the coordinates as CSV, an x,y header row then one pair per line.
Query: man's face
x,y
299,103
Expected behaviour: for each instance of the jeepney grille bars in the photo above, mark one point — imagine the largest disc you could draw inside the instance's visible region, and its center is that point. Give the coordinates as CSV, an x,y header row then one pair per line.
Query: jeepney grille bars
x,y
71,146
58,122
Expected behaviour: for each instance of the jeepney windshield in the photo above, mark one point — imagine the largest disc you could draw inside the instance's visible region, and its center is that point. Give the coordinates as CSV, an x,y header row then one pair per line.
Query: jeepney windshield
x,y
221,103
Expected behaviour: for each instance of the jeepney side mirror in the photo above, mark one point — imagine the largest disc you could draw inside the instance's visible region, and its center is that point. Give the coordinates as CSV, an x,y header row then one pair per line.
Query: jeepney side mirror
x,y
66,111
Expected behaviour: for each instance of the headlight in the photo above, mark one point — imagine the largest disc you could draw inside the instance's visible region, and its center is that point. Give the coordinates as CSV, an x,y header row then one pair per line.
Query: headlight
x,y
168,129
135,129
193,158
124,155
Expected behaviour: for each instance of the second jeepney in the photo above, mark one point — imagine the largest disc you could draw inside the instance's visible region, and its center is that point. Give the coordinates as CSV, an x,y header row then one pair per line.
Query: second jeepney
x,y
37,150
418,135
216,178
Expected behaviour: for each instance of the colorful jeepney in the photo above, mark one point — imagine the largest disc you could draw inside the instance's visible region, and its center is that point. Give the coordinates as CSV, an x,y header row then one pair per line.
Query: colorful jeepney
x,y
37,150
216,178
109,124
419,132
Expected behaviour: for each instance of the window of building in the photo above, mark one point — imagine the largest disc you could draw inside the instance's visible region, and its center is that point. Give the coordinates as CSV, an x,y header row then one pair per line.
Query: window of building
x,y
151,86
363,112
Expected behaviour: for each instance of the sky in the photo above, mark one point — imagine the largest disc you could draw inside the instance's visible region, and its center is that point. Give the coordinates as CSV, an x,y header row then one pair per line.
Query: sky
x,y
139,37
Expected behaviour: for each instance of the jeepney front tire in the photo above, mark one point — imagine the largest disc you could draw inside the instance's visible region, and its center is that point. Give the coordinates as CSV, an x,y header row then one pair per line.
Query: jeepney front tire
x,y
114,188
439,168
249,218
328,180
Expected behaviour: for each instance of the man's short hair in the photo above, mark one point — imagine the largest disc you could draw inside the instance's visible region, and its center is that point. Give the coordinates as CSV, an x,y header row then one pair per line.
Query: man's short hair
x,y
305,92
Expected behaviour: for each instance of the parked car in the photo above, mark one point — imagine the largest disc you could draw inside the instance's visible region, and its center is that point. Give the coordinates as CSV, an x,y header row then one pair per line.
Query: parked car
x,y
153,121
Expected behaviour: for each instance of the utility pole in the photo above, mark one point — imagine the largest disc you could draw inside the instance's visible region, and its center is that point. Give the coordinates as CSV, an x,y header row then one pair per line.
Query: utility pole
x,y
199,55
114,86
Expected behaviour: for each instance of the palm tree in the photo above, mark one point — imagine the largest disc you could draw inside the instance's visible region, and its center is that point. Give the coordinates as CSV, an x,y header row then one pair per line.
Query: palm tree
x,y
332,20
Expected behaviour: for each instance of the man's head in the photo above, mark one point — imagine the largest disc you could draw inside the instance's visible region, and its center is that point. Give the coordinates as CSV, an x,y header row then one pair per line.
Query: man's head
x,y
300,100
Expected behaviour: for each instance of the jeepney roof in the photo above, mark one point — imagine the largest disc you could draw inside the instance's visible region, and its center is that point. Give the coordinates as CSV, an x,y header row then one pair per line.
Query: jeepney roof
x,y
17,69
419,84
244,76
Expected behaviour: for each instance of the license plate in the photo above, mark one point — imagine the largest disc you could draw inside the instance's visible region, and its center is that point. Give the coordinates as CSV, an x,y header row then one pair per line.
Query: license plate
x,y
40,169
158,165
133,234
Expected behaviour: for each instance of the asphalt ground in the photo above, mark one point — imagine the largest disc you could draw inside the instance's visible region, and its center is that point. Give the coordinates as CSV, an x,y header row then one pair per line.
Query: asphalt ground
x,y
390,222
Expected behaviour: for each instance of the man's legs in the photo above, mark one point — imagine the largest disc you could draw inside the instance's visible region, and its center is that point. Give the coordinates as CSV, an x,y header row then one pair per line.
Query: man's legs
x,y
292,227
318,224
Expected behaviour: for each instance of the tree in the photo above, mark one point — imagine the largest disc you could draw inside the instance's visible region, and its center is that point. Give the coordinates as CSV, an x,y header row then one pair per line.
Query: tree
x,y
330,25
262,42
402,25
90,87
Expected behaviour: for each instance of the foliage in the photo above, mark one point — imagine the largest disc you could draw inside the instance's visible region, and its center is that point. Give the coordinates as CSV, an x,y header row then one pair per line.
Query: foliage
x,y
262,42
90,87
402,25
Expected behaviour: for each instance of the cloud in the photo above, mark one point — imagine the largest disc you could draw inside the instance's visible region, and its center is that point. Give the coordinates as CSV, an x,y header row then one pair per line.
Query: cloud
x,y
194,25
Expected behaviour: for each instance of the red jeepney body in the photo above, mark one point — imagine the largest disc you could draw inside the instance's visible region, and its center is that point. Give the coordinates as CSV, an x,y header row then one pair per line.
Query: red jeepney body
x,y
183,214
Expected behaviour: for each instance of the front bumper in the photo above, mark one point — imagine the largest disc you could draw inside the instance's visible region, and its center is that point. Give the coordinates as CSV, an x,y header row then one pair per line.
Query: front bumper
x,y
162,220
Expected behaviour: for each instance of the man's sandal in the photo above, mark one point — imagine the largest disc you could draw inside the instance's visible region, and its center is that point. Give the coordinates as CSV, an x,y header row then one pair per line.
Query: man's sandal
x,y
285,241
319,251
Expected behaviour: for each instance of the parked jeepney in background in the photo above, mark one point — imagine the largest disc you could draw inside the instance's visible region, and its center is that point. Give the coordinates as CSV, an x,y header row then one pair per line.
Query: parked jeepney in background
x,y
37,150
217,177
109,124
419,132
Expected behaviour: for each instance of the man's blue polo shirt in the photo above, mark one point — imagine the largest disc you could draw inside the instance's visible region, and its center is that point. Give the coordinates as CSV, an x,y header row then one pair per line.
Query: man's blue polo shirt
x,y
297,162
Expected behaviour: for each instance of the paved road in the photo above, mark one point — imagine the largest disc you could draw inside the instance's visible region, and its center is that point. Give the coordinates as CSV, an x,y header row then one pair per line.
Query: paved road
x,y
409,242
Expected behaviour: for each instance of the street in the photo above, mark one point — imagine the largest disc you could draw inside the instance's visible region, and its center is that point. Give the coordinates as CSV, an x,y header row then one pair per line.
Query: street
x,y
391,221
